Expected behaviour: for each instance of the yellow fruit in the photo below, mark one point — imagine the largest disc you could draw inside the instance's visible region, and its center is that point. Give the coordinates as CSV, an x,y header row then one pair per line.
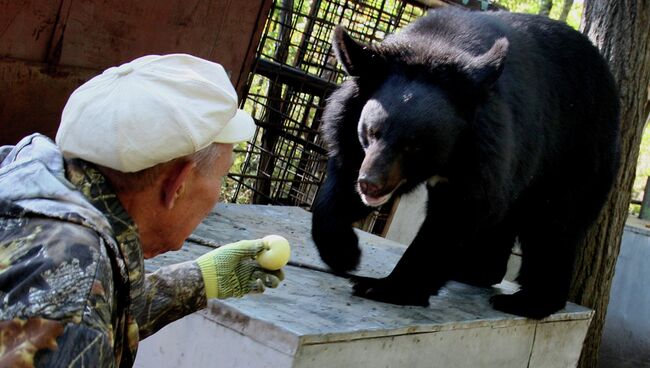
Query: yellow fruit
x,y
277,255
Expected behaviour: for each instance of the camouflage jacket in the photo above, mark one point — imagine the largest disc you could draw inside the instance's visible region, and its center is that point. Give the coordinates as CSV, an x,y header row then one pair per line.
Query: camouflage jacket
x,y
73,292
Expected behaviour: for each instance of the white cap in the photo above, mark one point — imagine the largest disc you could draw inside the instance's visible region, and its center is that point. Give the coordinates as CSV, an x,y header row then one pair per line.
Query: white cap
x,y
152,110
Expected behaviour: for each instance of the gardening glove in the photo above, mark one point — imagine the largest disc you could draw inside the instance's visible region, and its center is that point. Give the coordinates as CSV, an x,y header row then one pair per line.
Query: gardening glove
x,y
232,271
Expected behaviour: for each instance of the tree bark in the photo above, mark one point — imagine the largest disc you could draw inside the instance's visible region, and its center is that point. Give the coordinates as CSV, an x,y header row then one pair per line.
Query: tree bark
x,y
619,28
566,7
545,7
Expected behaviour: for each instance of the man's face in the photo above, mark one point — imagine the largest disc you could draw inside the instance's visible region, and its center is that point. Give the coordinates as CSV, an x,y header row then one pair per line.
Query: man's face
x,y
199,196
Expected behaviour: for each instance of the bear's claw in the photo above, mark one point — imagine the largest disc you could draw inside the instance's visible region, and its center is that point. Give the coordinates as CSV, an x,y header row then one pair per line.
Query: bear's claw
x,y
387,291
527,304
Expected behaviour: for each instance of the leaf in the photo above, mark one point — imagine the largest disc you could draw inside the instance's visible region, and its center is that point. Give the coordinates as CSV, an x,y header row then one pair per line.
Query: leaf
x,y
21,339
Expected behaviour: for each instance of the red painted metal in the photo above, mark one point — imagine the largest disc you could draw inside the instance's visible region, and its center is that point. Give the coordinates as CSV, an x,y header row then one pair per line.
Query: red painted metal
x,y
48,48
26,28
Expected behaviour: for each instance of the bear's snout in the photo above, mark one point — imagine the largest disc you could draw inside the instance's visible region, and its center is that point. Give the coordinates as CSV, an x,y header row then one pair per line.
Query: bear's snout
x,y
376,190
369,186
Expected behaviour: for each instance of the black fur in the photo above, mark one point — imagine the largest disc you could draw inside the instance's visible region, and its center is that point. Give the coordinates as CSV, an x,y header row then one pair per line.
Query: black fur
x,y
519,115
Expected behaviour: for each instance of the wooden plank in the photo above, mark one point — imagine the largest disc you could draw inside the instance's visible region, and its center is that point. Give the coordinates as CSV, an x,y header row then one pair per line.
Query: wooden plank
x,y
26,28
313,317
234,222
198,341
231,222
484,347
555,342
319,308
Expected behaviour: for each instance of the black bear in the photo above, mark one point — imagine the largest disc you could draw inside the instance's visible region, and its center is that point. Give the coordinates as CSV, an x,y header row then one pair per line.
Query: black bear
x,y
511,120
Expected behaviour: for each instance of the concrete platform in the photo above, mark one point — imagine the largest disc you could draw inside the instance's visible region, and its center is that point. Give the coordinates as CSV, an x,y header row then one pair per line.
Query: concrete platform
x,y
312,320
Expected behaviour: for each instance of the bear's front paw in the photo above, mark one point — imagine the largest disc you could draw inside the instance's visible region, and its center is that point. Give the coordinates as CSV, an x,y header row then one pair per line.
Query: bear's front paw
x,y
388,291
341,258
527,304
337,246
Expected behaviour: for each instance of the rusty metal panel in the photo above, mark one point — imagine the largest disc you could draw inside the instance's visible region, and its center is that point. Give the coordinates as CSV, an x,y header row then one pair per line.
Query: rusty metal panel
x,y
48,48
99,34
32,98
256,35
26,28
238,37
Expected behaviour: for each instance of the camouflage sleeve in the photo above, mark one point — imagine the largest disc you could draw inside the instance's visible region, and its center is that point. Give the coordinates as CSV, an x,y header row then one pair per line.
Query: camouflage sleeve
x,y
41,342
55,296
171,292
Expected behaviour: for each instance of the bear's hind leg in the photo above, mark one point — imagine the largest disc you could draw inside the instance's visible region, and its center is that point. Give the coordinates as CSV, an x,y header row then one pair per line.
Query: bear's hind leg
x,y
484,260
548,249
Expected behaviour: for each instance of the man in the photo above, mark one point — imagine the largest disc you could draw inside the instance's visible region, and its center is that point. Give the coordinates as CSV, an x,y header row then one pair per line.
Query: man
x,y
137,165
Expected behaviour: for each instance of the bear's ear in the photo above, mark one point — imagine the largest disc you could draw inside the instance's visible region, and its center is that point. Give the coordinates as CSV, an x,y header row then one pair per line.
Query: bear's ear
x,y
355,57
485,69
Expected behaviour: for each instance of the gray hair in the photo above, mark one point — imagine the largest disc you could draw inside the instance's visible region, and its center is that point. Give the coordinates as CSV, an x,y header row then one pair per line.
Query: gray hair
x,y
139,180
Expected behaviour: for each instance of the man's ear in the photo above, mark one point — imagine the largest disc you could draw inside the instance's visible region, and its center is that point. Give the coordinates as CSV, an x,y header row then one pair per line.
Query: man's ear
x,y
174,182
355,57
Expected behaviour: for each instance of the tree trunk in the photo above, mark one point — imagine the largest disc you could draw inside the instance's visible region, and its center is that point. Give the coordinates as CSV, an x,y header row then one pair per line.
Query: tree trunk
x,y
619,28
545,7
566,7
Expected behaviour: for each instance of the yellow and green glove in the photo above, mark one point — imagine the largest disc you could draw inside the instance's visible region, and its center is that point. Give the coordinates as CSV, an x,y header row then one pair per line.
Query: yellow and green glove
x,y
232,271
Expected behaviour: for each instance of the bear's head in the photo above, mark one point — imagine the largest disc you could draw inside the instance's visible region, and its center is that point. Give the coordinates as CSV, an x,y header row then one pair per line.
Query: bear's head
x,y
418,97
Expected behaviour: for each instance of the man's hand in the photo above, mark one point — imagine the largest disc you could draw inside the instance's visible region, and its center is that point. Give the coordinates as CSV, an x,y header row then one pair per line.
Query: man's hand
x,y
231,270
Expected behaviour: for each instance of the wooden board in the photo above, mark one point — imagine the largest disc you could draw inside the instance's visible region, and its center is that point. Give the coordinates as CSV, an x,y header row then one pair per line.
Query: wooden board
x,y
313,317
230,223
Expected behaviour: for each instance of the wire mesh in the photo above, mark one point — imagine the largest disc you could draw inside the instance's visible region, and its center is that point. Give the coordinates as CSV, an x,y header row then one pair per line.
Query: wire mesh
x,y
295,70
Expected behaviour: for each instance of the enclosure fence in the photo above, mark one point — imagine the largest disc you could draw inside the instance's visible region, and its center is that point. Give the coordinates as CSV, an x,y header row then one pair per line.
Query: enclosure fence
x,y
295,70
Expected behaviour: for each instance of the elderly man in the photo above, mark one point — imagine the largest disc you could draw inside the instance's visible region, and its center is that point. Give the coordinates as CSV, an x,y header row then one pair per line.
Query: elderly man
x,y
137,164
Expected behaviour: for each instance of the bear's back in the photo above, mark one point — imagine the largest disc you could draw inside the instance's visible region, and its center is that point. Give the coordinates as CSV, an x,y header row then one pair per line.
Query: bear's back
x,y
554,80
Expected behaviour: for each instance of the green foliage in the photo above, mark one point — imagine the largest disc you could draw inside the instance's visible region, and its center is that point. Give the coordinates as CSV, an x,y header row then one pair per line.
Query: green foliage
x,y
228,186
532,7
642,169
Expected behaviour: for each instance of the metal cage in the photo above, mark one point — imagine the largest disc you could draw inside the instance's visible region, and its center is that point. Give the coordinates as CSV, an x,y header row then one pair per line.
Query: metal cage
x,y
295,70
